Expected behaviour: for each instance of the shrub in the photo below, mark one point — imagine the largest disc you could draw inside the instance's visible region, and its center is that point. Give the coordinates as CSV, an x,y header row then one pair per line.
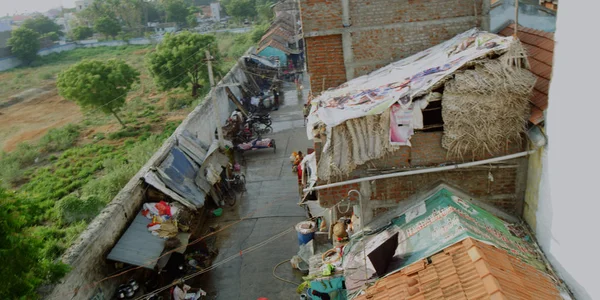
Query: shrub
x,y
60,139
106,187
123,133
10,172
175,103
72,208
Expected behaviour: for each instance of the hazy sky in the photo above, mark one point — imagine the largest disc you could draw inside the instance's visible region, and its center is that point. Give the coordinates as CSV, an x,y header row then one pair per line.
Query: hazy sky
x,y
28,6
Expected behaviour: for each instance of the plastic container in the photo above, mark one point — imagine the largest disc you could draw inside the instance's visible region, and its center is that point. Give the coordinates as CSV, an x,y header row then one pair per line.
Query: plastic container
x,y
306,231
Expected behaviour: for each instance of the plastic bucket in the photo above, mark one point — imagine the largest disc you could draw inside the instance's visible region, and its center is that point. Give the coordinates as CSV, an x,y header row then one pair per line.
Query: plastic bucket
x,y
306,231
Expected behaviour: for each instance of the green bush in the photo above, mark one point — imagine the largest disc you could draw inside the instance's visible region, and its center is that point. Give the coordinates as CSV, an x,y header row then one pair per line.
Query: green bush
x,y
60,139
72,208
175,103
123,133
105,188
10,172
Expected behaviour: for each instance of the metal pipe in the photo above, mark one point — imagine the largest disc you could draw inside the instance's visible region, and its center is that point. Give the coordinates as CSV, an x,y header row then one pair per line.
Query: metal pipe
x,y
422,171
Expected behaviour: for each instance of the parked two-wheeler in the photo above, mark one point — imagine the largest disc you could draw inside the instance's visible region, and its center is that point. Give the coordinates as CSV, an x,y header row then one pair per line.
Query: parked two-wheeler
x,y
261,118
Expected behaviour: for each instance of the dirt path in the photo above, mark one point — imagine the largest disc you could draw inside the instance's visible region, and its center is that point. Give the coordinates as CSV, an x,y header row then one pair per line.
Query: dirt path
x,y
30,119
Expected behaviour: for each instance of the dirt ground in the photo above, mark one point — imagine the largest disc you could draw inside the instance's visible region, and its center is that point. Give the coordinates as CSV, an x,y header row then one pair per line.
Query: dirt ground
x,y
30,119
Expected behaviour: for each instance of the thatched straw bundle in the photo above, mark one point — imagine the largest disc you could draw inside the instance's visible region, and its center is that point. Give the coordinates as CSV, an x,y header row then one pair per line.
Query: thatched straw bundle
x,y
354,143
486,108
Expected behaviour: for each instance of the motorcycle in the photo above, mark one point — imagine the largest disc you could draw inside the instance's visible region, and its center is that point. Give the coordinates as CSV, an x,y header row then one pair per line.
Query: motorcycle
x,y
257,128
128,290
264,119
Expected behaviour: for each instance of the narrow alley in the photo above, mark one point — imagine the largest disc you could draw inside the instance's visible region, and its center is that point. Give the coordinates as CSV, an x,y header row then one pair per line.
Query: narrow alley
x,y
270,207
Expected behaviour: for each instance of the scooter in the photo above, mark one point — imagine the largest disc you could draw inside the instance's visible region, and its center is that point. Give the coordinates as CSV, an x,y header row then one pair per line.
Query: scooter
x,y
128,290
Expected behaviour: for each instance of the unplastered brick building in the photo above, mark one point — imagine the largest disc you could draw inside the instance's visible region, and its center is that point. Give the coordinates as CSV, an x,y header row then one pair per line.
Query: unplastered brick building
x,y
352,126
348,38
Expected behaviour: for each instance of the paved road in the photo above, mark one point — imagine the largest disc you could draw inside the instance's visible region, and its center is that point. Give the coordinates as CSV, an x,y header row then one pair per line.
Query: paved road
x,y
273,191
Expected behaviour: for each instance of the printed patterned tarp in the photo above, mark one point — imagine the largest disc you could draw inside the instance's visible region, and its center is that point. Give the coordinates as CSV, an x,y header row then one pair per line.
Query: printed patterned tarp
x,y
401,81
432,225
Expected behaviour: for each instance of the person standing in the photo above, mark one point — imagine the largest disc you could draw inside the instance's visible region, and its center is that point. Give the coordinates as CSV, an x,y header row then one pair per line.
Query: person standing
x,y
305,111
276,98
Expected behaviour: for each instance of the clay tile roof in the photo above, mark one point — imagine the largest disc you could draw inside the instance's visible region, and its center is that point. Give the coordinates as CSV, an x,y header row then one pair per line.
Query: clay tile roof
x,y
278,31
540,47
469,270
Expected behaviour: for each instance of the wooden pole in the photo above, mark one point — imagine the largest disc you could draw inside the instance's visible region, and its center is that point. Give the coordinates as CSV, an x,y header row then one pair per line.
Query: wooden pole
x,y
216,110
516,17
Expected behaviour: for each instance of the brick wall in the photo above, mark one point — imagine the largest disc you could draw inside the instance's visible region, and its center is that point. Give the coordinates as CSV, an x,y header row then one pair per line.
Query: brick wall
x,y
373,49
320,15
383,31
325,58
427,151
384,12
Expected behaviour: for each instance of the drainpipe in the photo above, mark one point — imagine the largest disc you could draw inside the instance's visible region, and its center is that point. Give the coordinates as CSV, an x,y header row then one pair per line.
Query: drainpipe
x,y
423,171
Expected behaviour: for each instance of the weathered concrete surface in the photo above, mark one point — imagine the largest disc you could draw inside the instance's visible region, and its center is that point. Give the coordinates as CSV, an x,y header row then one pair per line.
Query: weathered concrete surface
x,y
272,197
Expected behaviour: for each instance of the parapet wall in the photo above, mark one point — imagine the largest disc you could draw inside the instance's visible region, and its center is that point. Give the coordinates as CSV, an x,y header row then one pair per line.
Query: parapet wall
x,y
87,256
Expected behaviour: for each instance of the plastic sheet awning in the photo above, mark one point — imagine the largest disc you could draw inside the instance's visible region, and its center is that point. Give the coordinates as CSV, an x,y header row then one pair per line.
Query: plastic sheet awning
x,y
182,173
178,172
261,60
137,246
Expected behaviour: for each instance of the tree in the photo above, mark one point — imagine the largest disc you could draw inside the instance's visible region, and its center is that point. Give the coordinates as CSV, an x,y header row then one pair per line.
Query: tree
x,y
240,9
42,25
176,11
107,26
81,33
263,10
24,44
98,84
53,36
178,61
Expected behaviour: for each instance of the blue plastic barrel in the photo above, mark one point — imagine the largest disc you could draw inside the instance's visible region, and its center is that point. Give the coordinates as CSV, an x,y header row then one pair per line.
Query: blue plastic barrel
x,y
306,231
305,238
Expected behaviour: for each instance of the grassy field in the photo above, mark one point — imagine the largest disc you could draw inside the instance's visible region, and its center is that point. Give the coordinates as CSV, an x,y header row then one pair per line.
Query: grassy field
x,y
56,183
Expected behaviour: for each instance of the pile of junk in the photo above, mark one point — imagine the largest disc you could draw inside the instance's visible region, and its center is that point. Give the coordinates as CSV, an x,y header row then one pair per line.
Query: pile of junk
x,y
319,258
163,239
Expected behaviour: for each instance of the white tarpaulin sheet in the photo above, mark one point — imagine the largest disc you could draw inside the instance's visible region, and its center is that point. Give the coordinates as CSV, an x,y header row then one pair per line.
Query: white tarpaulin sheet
x,y
401,81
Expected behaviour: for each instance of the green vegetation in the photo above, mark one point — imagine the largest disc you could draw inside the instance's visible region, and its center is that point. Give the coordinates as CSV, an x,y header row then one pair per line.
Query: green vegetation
x,y
51,189
81,33
177,61
107,26
259,10
24,44
232,45
42,25
61,195
98,84
23,265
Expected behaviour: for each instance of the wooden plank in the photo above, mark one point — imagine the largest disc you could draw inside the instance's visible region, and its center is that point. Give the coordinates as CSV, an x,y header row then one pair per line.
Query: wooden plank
x,y
235,101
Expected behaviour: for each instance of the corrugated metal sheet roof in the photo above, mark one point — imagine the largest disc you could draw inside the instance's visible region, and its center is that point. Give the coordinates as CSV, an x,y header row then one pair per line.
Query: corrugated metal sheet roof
x,y
137,246
540,48
178,172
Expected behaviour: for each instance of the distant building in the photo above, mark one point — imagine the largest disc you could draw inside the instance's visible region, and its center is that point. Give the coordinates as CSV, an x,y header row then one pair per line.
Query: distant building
x,y
19,19
65,22
52,13
215,11
5,30
162,28
82,4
